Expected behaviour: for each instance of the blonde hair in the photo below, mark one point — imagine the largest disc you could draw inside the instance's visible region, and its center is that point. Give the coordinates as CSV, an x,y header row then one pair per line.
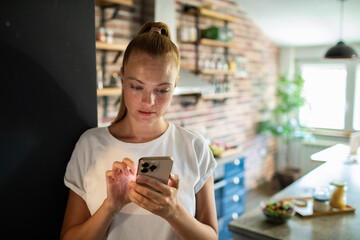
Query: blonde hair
x,y
153,39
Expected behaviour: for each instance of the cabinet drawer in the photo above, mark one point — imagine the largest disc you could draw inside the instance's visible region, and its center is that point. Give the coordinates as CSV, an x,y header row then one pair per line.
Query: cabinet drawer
x,y
234,167
233,205
234,184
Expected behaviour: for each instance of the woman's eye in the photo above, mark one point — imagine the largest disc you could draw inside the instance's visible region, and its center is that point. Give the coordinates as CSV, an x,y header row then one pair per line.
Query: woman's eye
x,y
162,90
136,87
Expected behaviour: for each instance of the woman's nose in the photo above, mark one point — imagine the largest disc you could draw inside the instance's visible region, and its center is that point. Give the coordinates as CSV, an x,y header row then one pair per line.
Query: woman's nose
x,y
148,98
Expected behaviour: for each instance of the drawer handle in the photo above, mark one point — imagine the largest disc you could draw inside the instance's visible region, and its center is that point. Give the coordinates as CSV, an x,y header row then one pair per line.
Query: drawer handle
x,y
236,180
235,198
234,215
236,162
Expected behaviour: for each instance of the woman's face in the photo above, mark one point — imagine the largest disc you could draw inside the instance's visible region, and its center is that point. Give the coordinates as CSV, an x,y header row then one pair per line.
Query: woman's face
x,y
148,86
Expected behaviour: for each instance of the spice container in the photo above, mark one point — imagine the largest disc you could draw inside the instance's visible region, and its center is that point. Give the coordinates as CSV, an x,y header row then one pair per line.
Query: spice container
x,y
338,195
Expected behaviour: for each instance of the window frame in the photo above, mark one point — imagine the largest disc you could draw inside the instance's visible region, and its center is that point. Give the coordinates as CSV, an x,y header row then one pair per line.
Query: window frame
x,y
351,67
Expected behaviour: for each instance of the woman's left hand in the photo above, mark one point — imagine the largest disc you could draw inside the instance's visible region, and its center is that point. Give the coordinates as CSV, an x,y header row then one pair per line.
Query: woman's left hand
x,y
162,202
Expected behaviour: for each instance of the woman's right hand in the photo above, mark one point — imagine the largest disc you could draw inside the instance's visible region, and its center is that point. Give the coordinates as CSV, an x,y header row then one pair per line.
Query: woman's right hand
x,y
117,184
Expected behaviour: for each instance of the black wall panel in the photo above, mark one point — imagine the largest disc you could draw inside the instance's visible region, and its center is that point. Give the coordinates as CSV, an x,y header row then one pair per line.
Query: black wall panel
x,y
47,99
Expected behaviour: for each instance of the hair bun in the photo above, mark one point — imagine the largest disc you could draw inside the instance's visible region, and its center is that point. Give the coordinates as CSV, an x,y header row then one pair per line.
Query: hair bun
x,y
159,27
155,29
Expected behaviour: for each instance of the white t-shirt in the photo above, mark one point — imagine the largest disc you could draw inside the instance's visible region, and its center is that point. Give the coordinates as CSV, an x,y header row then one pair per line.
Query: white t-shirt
x,y
95,153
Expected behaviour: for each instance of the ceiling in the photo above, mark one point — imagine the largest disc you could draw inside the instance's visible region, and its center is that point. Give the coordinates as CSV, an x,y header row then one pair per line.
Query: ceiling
x,y
304,22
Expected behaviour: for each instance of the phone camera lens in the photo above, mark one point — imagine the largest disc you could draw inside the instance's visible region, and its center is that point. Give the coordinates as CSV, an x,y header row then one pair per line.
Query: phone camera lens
x,y
145,164
153,167
144,170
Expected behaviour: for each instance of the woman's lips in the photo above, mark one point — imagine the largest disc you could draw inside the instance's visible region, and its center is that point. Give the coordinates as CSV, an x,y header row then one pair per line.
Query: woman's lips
x,y
146,113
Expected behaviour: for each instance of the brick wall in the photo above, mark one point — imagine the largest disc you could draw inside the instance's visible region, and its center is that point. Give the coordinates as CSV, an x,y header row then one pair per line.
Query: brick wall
x,y
234,120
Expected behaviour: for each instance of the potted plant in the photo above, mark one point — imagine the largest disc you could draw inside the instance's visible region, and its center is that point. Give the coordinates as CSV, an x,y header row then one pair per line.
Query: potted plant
x,y
284,123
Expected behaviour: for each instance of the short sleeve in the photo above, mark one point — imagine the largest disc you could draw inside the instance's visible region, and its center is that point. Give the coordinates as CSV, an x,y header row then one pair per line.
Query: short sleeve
x,y
75,170
207,164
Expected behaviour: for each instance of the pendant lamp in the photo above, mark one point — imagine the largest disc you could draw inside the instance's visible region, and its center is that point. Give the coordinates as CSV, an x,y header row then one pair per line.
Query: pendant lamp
x,y
341,50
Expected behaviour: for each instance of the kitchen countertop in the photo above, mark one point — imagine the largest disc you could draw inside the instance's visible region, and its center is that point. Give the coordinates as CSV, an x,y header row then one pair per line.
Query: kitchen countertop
x,y
344,226
338,152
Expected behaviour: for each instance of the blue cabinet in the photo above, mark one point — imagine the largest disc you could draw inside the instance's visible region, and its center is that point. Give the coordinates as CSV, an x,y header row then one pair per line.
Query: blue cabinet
x,y
229,194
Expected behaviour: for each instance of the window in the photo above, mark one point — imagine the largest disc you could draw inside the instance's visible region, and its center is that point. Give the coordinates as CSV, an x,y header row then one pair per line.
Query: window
x,y
330,96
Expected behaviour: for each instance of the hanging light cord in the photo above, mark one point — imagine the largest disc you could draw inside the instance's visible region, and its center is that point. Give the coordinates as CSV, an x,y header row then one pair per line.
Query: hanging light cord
x,y
341,19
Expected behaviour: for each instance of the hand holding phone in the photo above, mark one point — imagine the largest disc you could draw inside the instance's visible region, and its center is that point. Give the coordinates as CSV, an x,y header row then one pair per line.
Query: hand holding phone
x,y
156,167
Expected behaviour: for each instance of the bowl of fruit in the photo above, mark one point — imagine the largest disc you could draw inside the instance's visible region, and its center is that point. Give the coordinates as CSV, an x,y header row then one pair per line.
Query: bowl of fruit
x,y
277,211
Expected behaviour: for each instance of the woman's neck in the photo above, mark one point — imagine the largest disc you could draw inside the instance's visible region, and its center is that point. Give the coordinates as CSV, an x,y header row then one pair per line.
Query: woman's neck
x,y
127,131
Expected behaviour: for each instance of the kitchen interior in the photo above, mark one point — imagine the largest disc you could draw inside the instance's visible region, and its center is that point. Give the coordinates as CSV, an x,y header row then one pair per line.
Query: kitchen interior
x,y
239,63
228,84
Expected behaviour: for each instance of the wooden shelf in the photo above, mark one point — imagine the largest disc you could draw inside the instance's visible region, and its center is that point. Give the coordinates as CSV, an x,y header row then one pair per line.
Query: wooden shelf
x,y
212,96
220,16
109,91
111,46
216,72
104,3
215,43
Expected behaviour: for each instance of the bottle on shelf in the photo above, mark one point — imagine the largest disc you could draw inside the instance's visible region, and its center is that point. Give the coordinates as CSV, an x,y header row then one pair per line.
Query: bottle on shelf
x,y
210,63
232,64
101,36
109,35
99,79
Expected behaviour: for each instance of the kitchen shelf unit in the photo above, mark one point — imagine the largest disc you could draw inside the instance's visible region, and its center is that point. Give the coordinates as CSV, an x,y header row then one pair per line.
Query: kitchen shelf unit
x,y
104,47
201,12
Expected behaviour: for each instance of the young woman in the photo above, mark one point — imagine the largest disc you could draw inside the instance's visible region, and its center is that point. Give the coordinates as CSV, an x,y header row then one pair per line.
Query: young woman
x,y
105,201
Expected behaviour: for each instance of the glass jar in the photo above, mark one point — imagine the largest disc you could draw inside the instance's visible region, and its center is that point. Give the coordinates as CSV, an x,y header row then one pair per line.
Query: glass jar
x,y
338,194
321,198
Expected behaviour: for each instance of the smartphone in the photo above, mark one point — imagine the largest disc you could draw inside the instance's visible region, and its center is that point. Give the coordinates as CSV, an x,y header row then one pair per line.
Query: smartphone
x,y
156,167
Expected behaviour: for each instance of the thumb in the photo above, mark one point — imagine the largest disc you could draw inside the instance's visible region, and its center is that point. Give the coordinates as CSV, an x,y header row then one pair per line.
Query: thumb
x,y
174,181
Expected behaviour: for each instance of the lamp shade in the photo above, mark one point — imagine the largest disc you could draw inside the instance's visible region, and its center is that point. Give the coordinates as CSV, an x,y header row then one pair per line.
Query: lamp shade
x,y
341,50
